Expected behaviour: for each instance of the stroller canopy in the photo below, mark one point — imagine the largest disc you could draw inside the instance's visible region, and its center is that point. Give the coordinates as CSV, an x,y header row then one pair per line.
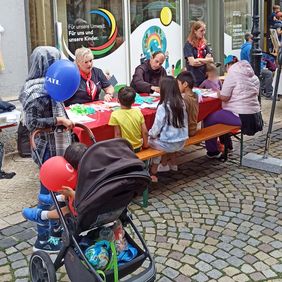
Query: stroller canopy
x,y
109,176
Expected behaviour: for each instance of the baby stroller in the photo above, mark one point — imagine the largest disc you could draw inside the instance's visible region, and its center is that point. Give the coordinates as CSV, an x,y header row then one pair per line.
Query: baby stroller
x,y
109,177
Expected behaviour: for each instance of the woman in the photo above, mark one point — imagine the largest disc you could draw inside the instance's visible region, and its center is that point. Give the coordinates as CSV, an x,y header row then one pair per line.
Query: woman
x,y
240,105
147,76
41,111
197,53
92,80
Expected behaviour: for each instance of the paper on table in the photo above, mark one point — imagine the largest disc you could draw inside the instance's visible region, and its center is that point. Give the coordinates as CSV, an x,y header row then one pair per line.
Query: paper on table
x,y
155,94
149,106
79,118
210,94
112,104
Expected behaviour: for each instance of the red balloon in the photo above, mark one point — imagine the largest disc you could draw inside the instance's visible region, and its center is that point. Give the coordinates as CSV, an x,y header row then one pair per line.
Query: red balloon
x,y
57,172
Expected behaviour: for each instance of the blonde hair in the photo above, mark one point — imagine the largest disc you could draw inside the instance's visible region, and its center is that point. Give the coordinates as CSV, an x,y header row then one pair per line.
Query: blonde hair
x,y
192,39
81,53
275,7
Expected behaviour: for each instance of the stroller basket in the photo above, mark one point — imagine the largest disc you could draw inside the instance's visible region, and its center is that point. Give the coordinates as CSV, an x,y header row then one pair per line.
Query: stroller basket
x,y
78,271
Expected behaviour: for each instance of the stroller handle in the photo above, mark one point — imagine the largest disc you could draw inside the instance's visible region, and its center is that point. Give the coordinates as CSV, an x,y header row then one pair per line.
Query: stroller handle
x,y
37,131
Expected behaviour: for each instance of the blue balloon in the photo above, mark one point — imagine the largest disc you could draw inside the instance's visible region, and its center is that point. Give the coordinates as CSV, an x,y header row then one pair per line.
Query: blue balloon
x,y
62,80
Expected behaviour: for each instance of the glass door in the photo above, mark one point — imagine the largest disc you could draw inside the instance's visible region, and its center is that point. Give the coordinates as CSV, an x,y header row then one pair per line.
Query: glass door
x,y
155,25
97,25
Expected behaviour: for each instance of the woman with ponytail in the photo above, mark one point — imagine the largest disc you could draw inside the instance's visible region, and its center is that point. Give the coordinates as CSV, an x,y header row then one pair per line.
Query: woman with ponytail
x,y
197,53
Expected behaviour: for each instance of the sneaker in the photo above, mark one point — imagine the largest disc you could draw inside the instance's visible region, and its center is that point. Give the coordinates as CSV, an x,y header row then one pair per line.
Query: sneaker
x,y
154,178
6,175
46,199
214,155
56,230
34,214
163,168
51,246
174,167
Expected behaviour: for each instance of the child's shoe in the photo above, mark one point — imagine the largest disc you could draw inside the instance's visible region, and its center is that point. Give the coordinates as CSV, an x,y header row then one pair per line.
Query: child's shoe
x,y
51,246
46,199
163,168
34,214
174,167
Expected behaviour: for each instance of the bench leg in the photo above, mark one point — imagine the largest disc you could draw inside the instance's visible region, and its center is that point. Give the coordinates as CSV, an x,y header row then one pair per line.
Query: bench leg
x,y
241,148
145,198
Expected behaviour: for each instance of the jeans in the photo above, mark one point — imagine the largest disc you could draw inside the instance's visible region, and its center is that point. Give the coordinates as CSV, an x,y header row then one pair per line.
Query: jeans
x,y
221,116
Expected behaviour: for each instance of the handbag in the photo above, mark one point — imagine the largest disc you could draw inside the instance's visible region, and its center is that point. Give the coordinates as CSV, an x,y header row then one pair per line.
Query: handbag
x,y
251,123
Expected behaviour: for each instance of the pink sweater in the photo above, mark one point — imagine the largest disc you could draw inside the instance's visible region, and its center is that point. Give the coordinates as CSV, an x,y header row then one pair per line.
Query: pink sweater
x,y
242,86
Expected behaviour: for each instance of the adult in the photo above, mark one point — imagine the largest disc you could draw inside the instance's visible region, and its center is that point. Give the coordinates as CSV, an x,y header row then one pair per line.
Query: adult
x,y
147,76
41,111
266,74
197,53
240,105
92,80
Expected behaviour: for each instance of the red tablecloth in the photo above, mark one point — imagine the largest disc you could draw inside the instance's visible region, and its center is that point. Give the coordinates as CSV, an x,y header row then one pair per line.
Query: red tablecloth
x,y
103,131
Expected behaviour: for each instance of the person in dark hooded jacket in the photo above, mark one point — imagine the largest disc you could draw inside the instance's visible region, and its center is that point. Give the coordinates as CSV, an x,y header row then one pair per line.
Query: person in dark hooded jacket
x,y
266,74
147,76
41,112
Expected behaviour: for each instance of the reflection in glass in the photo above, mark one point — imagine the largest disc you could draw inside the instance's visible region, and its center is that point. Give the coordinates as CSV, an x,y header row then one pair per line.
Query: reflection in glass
x,y
97,25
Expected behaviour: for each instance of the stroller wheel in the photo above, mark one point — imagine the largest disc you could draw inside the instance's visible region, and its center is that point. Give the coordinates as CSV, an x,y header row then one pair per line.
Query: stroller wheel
x,y
41,268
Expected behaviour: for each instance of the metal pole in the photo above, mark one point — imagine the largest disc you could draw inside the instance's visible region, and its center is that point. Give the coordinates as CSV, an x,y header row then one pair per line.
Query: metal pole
x,y
256,50
274,98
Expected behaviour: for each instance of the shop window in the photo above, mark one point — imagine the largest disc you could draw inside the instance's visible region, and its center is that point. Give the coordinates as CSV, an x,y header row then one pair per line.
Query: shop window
x,y
97,25
238,20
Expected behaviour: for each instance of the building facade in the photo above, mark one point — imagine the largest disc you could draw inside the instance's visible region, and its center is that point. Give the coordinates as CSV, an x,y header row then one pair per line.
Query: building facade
x,y
120,33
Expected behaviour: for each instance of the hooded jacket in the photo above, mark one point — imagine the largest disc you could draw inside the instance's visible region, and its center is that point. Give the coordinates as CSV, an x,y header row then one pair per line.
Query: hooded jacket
x,y
242,86
246,51
145,77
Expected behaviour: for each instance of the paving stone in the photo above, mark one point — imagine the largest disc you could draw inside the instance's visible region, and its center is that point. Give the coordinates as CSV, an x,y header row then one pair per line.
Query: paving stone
x,y
21,272
257,276
241,277
191,251
246,268
188,271
221,254
206,257
7,242
231,271
173,263
19,264
277,267
235,261
249,259
200,277
15,257
170,273
203,266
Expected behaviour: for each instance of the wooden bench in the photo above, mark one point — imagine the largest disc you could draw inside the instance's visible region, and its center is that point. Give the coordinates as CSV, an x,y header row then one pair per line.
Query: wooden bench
x,y
203,134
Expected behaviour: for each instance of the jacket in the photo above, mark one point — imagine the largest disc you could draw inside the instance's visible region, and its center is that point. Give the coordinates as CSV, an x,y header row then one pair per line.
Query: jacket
x,y
246,51
242,86
168,133
144,77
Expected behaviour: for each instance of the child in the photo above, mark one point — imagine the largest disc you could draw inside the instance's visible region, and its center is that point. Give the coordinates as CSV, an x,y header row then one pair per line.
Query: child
x,y
212,81
129,123
274,21
170,129
186,83
73,155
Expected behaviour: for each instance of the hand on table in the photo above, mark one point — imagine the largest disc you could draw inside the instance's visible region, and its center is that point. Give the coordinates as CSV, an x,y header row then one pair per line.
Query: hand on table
x,y
108,98
156,89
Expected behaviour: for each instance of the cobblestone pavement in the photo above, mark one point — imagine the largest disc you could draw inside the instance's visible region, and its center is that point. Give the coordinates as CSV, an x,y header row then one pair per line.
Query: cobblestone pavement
x,y
210,221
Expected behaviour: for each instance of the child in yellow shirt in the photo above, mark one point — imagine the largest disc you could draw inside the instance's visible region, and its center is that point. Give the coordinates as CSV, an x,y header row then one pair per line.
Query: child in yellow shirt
x,y
129,123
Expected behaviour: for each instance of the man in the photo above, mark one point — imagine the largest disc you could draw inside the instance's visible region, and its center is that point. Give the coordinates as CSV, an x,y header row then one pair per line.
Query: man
x,y
266,74
148,75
